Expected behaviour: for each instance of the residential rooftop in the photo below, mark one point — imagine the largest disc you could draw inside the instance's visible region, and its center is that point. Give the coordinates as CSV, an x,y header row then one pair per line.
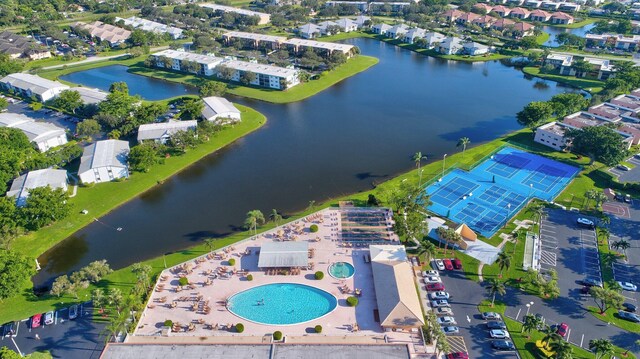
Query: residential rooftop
x,y
190,56
34,83
268,70
627,101
609,111
584,119
319,45
35,131
254,36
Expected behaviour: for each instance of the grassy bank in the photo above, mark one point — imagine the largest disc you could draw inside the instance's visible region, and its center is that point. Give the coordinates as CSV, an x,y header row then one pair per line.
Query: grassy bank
x,y
592,86
576,25
297,93
104,197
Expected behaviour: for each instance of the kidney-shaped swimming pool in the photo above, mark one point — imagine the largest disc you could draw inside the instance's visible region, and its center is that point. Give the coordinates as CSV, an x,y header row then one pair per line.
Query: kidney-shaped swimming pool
x,y
282,304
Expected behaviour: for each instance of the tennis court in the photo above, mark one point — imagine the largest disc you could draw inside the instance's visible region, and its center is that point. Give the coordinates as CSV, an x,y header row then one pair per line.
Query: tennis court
x,y
495,190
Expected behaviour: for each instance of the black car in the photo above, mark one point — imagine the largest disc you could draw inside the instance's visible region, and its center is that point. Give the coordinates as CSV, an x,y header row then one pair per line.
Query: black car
x,y
10,329
496,325
590,282
629,316
502,345
629,307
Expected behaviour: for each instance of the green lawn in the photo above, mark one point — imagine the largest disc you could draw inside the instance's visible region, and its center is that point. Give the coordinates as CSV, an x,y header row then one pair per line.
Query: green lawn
x,y
611,316
542,38
104,197
576,25
593,86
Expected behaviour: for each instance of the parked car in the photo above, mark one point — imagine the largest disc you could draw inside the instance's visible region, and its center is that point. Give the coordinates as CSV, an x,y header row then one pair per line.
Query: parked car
x,y
73,312
628,286
430,273
440,303
618,197
491,316
457,263
628,307
444,311
447,321
562,329
585,289
590,282
458,355
432,279
632,317
586,223
48,318
452,329
447,264
10,329
627,198
502,345
498,334
36,319
438,264
434,287
637,155
623,167
439,295
496,325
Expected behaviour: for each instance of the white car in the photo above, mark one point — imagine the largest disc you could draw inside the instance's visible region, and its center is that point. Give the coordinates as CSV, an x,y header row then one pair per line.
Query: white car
x,y
491,316
439,295
584,222
452,329
432,279
440,303
499,334
443,311
431,273
628,286
447,321
438,264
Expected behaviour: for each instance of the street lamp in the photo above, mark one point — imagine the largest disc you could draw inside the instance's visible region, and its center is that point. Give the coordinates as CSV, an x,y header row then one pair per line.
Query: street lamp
x,y
506,218
444,160
530,189
529,307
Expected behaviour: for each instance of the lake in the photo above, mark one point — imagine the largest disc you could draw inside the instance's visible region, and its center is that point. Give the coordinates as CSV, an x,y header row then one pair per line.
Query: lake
x,y
553,31
363,130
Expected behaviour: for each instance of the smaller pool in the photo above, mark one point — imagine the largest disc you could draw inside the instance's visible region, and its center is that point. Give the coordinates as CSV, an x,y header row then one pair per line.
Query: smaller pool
x,y
341,270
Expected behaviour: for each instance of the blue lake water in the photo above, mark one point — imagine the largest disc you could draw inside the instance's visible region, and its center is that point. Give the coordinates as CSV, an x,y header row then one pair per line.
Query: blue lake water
x,y
553,31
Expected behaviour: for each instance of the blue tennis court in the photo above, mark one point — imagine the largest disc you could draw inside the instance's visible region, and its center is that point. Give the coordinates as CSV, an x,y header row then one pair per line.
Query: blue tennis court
x,y
495,190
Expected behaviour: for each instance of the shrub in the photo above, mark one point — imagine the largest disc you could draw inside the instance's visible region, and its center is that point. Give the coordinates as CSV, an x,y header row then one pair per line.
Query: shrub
x,y
239,327
318,329
319,275
168,323
352,301
183,281
250,277
232,261
277,335
313,228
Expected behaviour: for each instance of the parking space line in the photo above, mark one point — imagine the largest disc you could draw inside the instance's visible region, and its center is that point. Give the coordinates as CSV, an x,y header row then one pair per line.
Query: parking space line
x,y
457,344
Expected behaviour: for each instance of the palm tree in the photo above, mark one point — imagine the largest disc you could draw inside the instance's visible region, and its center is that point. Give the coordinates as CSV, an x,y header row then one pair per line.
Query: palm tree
x,y
417,158
550,336
503,261
563,349
538,212
210,243
115,298
605,220
621,244
142,272
427,250
495,287
517,237
99,300
600,198
589,195
463,142
254,218
529,323
600,347
275,216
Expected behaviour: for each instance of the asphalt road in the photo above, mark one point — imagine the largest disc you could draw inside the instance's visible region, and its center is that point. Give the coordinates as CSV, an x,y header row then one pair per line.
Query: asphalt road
x,y
80,338
628,229
633,175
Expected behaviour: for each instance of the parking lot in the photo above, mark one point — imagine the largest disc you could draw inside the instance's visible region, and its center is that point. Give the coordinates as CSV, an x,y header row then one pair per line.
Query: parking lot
x,y
44,115
632,175
628,228
79,338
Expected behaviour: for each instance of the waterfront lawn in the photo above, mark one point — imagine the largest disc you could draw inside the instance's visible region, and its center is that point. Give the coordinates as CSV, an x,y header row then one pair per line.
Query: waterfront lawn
x,y
542,38
592,86
576,25
104,197
297,93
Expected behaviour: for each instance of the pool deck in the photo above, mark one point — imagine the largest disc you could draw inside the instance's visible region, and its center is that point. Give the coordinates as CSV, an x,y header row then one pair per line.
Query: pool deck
x,y
338,325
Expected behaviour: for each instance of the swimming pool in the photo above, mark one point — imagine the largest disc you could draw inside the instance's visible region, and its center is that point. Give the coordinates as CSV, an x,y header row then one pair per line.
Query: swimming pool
x,y
282,304
341,270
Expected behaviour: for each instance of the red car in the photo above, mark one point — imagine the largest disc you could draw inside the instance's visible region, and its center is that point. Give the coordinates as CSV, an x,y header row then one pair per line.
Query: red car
x,y
562,330
457,263
458,355
435,287
36,320
447,264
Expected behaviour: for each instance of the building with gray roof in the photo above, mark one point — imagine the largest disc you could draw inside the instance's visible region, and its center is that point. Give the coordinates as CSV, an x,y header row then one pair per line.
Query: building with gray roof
x,y
36,179
263,18
28,85
44,135
104,161
162,132
284,255
219,110
17,46
91,96
151,26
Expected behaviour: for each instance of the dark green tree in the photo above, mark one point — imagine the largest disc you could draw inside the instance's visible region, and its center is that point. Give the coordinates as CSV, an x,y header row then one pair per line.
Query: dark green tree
x,y
15,271
600,143
534,114
68,101
88,128
44,206
191,109
142,157
567,103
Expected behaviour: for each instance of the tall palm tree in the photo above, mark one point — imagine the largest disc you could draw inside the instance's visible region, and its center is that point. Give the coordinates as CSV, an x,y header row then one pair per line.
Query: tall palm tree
x,y
495,287
600,198
503,261
589,195
550,336
538,212
99,299
210,243
563,349
621,244
115,298
275,216
517,237
463,142
427,250
417,158
605,220
530,322
254,218
601,347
